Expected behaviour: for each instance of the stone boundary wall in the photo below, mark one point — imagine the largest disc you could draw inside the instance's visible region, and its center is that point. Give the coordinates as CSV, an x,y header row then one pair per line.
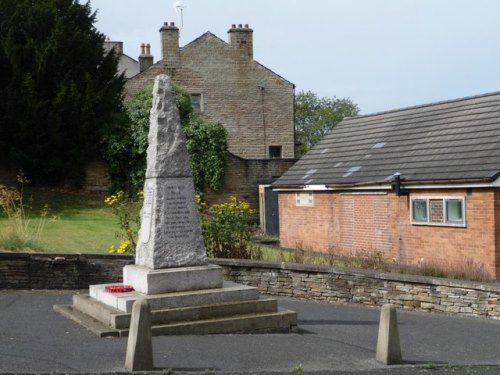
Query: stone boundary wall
x,y
78,271
59,271
328,284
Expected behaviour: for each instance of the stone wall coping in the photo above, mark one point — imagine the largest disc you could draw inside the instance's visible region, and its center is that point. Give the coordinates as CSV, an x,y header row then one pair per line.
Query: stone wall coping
x,y
396,277
13,255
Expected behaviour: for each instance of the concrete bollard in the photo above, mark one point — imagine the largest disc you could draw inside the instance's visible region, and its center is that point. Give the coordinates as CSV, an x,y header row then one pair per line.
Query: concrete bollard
x,y
388,346
140,346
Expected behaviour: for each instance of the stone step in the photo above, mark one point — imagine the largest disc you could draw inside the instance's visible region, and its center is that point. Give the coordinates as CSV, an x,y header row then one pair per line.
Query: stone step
x,y
284,321
120,320
87,321
124,301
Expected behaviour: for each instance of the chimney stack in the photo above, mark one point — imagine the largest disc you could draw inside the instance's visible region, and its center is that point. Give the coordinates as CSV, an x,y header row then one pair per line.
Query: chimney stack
x,y
145,58
170,52
241,39
117,46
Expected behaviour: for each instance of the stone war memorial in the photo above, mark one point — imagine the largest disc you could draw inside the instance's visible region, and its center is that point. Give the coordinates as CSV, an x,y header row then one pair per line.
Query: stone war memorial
x,y
186,293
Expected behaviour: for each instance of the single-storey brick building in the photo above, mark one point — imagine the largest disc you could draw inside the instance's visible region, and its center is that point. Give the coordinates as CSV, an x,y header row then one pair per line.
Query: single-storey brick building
x,y
417,185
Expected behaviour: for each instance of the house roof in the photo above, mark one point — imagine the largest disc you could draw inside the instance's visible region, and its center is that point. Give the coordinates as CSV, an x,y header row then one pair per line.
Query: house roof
x,y
455,141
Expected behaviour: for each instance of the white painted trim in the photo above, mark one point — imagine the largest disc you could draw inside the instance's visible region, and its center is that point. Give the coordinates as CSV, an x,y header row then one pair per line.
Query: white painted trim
x,y
448,186
494,184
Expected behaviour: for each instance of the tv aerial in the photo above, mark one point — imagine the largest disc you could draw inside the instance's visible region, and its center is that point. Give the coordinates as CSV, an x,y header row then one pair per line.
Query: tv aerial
x,y
179,8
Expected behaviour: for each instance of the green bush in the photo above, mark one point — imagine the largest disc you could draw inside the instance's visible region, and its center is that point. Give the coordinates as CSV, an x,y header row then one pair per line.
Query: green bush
x,y
227,229
128,143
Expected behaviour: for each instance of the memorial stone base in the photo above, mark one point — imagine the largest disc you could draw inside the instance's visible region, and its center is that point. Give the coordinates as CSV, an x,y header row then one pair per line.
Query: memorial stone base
x,y
185,300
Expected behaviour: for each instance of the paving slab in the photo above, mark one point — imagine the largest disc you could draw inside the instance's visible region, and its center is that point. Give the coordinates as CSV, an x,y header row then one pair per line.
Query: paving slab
x,y
333,338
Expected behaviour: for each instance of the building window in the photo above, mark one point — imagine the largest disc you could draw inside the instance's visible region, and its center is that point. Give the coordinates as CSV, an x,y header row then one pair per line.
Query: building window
x,y
419,209
275,152
304,199
196,102
438,211
454,211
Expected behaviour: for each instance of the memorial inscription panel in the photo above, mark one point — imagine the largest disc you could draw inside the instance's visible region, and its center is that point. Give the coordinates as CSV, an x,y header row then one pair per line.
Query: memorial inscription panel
x,y
180,220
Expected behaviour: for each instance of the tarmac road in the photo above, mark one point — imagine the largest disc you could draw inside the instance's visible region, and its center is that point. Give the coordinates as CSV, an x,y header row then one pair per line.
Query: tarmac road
x,y
333,338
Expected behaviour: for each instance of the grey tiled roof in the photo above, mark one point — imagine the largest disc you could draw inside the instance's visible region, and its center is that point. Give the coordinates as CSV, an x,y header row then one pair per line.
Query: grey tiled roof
x,y
455,141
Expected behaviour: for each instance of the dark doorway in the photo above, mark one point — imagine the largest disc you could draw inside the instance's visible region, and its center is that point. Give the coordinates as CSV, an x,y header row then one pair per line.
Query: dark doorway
x,y
271,212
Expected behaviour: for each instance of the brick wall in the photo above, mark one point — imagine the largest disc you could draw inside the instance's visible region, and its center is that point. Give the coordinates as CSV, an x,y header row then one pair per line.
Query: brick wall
x,y
497,229
361,223
77,271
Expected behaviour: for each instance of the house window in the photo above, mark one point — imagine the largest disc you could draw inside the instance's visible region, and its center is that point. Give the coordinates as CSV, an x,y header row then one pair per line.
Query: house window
x,y
448,211
196,102
275,152
419,209
304,199
454,211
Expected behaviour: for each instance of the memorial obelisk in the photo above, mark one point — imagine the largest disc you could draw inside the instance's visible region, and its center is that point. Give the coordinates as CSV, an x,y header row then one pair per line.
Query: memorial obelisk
x,y
170,235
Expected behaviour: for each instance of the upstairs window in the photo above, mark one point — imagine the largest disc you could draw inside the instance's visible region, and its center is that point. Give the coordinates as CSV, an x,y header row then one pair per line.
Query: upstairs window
x,y
196,102
448,211
275,152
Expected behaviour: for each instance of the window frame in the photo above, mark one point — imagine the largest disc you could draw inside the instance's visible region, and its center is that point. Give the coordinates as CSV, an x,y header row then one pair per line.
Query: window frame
x,y
200,103
445,199
276,147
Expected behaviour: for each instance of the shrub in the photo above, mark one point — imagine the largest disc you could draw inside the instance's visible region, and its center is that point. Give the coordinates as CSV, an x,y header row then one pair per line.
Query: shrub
x,y
227,229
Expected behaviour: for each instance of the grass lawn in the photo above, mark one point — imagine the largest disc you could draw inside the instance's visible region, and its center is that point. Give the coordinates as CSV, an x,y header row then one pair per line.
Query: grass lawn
x,y
83,223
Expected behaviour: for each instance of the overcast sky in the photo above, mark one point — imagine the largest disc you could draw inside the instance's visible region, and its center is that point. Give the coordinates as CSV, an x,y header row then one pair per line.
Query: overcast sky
x,y
383,54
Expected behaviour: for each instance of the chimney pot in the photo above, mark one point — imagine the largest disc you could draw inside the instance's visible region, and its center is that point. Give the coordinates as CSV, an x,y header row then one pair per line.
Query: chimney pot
x,y
246,26
233,26
172,23
148,49
240,26
145,58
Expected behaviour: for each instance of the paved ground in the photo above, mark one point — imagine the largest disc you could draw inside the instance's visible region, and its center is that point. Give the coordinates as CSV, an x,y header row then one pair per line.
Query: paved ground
x,y
333,338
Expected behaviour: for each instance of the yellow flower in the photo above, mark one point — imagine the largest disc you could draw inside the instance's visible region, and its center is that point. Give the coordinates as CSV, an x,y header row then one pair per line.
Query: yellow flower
x,y
111,249
124,246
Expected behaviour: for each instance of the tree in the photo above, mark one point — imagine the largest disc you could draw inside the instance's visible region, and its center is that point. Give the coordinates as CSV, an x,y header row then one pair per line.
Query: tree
x,y
206,144
314,116
59,90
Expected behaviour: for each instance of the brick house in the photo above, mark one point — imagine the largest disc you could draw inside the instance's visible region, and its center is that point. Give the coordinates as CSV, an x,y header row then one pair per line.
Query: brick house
x,y
227,85
417,185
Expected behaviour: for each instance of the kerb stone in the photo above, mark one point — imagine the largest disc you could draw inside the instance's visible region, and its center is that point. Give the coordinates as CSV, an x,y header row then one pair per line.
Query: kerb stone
x,y
388,346
139,355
